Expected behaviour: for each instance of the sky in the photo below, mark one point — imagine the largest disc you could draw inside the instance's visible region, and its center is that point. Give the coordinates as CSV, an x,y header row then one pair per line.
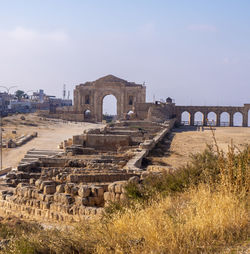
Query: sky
x,y
195,51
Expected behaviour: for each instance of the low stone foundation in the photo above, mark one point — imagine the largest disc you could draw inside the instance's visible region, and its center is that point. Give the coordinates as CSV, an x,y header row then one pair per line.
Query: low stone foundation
x,y
68,186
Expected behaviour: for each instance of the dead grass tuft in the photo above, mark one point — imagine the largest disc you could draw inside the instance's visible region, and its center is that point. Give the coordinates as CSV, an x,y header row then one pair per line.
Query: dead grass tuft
x,y
202,208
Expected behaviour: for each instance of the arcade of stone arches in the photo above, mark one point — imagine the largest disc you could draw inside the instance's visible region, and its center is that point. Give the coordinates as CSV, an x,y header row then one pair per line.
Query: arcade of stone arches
x,y
221,118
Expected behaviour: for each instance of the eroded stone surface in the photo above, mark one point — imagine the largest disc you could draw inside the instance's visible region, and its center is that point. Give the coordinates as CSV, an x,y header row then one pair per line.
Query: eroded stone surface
x,y
72,186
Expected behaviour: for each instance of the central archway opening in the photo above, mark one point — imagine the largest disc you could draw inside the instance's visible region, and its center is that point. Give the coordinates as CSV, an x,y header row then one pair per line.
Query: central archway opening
x,y
109,108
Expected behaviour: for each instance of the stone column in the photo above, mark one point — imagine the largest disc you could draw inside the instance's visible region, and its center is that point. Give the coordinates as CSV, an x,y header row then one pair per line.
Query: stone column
x,y
191,121
120,107
231,119
217,119
178,117
205,118
245,119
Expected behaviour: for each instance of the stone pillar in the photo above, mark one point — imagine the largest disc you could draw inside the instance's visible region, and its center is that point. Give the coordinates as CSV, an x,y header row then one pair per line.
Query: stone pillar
x,y
178,117
205,118
217,119
245,119
191,119
231,119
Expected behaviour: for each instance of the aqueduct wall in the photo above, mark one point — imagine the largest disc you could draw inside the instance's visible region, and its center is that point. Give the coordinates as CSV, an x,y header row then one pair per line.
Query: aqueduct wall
x,y
218,110
88,105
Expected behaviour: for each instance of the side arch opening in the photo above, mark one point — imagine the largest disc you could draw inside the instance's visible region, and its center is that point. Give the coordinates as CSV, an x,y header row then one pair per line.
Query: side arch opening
x,y
87,115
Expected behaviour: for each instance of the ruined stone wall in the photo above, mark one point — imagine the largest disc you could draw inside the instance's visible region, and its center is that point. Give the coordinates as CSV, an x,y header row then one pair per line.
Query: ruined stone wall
x,y
102,141
141,110
69,188
161,112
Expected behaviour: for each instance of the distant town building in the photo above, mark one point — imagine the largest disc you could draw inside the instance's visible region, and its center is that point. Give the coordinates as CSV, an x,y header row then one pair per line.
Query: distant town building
x,y
37,101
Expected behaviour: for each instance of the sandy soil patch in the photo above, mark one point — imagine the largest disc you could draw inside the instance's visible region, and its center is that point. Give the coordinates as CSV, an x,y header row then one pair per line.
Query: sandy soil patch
x,y
50,133
188,140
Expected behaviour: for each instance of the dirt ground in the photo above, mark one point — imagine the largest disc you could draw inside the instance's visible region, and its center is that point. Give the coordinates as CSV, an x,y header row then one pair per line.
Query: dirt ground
x,y
51,133
186,141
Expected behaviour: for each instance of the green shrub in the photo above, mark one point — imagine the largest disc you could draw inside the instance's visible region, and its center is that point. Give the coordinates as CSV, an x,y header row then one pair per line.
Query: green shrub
x,y
211,166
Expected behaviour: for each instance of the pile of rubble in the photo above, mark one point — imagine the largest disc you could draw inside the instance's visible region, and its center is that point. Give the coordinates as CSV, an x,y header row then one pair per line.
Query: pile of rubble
x,y
19,141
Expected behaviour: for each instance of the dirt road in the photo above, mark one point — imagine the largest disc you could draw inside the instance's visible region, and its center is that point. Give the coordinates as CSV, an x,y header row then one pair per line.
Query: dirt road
x,y
50,134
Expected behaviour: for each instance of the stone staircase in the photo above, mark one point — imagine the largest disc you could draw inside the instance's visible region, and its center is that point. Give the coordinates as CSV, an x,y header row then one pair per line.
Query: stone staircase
x,y
34,155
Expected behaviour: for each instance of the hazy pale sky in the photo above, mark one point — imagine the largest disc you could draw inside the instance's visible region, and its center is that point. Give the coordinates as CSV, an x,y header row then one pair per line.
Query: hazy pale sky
x,y
195,51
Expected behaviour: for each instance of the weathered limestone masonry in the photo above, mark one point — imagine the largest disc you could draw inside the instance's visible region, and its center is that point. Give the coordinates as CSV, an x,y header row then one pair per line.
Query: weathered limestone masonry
x,y
218,110
19,141
131,97
88,99
76,184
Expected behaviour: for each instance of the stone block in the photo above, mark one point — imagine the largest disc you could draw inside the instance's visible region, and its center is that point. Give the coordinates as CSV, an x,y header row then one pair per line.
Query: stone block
x,y
84,191
91,201
45,205
72,178
107,196
32,181
49,198
99,211
35,194
74,190
111,187
66,199
11,175
97,191
49,189
45,183
123,197
118,188
29,193
112,196
98,201
60,188
68,187
134,179
78,201
117,197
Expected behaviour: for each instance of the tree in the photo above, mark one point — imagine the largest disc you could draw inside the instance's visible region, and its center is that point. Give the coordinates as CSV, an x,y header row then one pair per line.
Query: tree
x,y
20,94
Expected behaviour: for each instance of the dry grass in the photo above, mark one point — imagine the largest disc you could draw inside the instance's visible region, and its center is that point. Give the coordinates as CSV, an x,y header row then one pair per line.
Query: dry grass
x,y
207,215
198,220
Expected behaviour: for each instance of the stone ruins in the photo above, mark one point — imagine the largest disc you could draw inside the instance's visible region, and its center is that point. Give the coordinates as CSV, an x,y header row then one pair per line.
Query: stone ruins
x,y
94,167
131,97
91,172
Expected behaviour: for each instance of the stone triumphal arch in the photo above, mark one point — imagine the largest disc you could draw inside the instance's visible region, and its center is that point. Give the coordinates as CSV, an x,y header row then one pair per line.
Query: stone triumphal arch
x,y
88,97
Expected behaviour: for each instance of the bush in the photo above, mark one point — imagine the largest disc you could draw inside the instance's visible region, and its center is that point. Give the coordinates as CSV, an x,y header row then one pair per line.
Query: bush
x,y
211,167
196,221
200,208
